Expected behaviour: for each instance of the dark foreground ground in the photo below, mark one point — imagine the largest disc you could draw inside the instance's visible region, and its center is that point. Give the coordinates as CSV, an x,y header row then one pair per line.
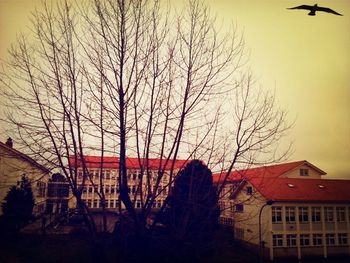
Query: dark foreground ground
x,y
79,248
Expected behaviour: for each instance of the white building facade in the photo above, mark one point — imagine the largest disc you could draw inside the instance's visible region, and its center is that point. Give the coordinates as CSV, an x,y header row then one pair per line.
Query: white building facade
x,y
301,215
13,165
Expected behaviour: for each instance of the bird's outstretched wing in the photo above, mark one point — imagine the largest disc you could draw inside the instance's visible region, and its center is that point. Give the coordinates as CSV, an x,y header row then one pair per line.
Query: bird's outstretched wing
x,y
328,10
306,7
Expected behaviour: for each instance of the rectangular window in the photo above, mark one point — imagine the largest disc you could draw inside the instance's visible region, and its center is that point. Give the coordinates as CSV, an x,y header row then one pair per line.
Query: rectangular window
x,y
290,214
239,233
291,240
304,172
239,208
330,239
138,204
249,190
41,188
107,174
316,214
340,214
95,203
276,214
328,214
304,240
317,239
222,205
342,238
277,240
303,214
227,221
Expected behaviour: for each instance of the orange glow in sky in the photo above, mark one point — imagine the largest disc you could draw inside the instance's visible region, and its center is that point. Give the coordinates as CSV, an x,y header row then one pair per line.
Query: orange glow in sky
x,y
305,59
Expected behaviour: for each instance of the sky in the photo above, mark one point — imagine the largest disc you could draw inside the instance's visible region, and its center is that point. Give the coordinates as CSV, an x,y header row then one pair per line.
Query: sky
x,y
304,59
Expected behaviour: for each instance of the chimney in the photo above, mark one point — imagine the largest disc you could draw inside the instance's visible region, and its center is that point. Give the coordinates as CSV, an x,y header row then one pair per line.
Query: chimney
x,y
9,142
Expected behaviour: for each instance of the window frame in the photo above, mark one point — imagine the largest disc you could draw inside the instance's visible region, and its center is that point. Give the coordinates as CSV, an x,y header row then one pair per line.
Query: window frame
x,y
329,216
317,240
304,172
303,217
329,237
304,240
239,208
290,214
343,239
291,240
316,214
276,214
340,213
277,240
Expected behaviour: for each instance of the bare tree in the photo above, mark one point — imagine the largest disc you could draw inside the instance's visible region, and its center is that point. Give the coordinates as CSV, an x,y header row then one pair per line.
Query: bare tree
x,y
135,78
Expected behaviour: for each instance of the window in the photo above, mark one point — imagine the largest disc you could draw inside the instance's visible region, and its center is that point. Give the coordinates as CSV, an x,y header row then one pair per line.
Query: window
x,y
227,221
303,214
304,240
328,214
342,238
239,208
277,240
222,205
317,239
276,214
290,214
291,240
133,189
316,214
304,172
138,204
95,203
107,174
114,174
89,203
330,239
239,233
41,188
340,214
90,189
249,190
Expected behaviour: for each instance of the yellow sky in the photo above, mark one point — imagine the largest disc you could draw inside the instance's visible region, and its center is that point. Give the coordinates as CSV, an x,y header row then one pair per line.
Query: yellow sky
x,y
305,59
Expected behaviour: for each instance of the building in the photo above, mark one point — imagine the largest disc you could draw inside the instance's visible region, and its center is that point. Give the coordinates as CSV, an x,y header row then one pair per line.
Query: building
x,y
13,165
58,196
301,213
110,184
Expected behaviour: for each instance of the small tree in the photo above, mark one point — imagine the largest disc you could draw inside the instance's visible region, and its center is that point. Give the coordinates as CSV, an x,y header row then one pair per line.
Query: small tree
x,y
193,205
18,205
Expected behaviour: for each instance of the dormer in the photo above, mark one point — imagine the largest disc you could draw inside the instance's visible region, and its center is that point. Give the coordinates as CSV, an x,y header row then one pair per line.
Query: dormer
x,y
305,170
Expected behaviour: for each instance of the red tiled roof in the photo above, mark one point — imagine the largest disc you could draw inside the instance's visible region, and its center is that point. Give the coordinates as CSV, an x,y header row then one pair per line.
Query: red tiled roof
x,y
131,163
268,182
272,171
295,189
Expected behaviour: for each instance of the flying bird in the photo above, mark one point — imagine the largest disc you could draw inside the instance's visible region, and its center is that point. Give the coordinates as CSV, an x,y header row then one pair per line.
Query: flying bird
x,y
314,8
